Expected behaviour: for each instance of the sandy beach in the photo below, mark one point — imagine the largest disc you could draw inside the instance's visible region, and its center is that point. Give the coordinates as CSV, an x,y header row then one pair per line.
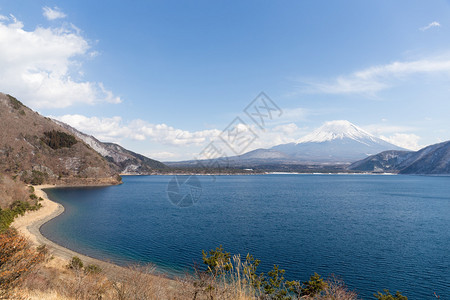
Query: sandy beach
x,y
29,225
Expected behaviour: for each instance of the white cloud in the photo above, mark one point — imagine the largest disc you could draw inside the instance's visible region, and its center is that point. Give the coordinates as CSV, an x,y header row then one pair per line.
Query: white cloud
x,y
398,135
53,13
431,25
383,129
163,155
281,134
407,141
183,144
114,130
104,129
37,66
377,78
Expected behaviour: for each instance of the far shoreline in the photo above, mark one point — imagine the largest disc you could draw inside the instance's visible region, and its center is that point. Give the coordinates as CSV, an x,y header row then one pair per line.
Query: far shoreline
x,y
265,173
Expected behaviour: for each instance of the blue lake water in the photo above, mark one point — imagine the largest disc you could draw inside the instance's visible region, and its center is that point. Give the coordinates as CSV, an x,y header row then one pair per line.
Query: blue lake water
x,y
374,232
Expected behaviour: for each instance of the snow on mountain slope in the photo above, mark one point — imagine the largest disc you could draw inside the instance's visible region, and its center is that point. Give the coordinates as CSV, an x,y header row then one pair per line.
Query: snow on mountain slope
x,y
123,160
434,159
338,129
335,142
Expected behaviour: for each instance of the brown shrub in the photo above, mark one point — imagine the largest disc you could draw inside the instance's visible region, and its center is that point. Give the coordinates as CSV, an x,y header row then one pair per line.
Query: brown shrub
x,y
11,190
17,260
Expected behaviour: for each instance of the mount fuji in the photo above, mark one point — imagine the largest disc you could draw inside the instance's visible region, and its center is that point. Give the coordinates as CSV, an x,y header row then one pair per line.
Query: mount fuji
x,y
335,142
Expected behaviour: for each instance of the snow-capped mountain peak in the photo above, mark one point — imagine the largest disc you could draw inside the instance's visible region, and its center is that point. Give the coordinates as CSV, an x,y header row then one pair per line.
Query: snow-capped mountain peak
x,y
337,130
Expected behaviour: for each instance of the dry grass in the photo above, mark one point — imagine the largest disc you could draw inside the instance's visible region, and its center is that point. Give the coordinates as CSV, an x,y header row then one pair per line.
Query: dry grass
x,y
25,274
139,283
237,284
11,190
337,290
39,295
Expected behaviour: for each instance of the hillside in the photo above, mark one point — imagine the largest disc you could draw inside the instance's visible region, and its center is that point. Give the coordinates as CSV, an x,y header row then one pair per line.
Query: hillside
x,y
434,159
37,150
122,160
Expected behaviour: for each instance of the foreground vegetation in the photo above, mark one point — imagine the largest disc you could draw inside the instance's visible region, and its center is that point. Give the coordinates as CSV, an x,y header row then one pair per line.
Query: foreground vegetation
x,y
29,273
17,260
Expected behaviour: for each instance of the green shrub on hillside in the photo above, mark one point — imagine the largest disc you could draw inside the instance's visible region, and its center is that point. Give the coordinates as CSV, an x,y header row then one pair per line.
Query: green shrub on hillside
x,y
75,263
38,177
6,218
16,104
118,178
35,178
218,260
388,296
226,274
16,208
272,285
58,139
92,269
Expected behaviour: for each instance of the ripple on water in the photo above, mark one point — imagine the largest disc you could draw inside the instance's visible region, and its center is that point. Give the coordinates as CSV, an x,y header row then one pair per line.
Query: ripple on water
x,y
374,232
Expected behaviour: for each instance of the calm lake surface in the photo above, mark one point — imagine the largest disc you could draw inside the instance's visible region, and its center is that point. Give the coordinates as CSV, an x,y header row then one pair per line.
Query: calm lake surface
x,y
374,232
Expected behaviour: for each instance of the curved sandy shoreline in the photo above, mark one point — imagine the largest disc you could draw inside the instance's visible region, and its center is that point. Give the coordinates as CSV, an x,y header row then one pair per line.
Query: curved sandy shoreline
x,y
29,225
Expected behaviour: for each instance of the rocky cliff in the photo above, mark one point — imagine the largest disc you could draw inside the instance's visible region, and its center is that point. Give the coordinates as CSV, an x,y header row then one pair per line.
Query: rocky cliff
x,y
122,160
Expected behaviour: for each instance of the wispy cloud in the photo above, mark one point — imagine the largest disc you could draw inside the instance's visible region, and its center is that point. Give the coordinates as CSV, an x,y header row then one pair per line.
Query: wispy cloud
x,y
53,13
162,155
401,136
115,129
377,78
42,67
384,129
408,141
431,25
182,144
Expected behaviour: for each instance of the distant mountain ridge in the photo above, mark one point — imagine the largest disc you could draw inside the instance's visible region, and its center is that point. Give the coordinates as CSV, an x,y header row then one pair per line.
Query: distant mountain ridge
x,y
334,143
434,159
123,161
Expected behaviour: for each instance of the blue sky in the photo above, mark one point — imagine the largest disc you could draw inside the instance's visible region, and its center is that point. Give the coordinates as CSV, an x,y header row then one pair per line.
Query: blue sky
x,y
164,78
